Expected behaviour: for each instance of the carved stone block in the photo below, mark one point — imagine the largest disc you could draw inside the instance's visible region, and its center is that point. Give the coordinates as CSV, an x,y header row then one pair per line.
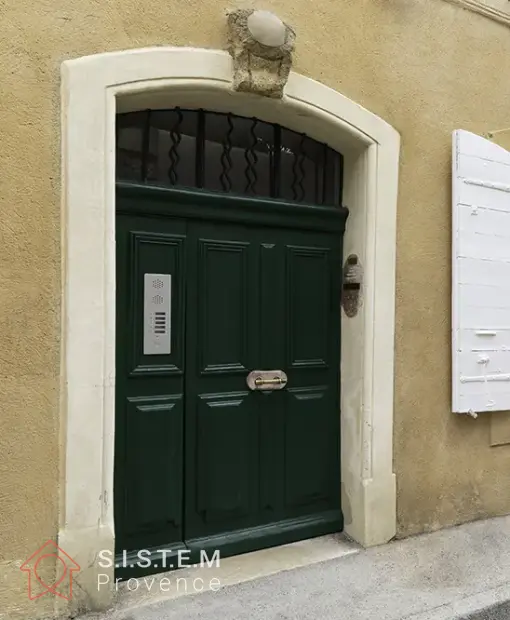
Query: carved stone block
x,y
261,46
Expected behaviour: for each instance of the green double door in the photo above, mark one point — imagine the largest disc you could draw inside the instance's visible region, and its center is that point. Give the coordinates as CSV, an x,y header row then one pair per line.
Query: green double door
x,y
202,461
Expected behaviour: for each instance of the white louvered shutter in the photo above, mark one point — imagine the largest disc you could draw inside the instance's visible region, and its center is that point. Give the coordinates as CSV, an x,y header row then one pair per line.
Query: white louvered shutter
x,y
481,275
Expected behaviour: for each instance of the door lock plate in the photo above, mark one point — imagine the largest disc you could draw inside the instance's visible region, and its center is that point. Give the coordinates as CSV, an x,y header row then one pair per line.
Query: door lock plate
x,y
266,380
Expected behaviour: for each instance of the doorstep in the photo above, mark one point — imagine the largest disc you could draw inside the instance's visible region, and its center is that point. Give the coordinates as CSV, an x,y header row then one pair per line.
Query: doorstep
x,y
155,589
451,574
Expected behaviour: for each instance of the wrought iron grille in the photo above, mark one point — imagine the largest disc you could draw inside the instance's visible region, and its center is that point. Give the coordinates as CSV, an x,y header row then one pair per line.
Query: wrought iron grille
x,y
226,153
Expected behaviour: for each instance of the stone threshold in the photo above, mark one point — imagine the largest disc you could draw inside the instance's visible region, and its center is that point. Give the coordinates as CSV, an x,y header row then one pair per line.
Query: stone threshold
x,y
155,589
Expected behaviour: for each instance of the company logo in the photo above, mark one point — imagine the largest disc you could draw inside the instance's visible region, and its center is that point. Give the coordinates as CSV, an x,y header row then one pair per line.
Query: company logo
x,y
65,567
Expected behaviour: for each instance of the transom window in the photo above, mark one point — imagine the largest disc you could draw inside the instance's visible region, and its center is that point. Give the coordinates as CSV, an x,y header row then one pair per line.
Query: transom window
x,y
226,153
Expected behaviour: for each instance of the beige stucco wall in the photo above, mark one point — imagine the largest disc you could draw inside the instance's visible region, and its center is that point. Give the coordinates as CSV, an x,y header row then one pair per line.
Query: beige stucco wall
x,y
425,66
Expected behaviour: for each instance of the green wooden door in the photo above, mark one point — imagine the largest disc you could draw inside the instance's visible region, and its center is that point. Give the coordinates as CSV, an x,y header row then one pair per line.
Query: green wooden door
x,y
202,461
149,409
266,462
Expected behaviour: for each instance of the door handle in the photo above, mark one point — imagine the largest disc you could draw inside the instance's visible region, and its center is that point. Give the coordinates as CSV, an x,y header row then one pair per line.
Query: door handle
x,y
273,381
266,380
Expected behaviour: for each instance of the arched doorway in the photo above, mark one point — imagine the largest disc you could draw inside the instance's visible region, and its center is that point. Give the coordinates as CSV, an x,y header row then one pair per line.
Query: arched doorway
x,y
94,89
229,256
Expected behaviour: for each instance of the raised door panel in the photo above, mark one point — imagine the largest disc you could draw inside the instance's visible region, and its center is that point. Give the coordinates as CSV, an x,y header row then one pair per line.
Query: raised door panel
x,y
309,306
154,439
156,253
309,437
226,456
223,311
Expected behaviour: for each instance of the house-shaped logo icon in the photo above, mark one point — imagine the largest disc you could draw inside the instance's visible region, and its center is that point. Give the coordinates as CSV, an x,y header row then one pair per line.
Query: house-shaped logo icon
x,y
39,584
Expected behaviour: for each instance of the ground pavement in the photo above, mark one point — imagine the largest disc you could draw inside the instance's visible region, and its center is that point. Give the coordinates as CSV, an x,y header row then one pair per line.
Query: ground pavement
x,y
447,575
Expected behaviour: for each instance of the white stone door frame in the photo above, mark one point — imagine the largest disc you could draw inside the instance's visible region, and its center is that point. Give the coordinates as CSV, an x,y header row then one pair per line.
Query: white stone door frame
x,y
94,88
